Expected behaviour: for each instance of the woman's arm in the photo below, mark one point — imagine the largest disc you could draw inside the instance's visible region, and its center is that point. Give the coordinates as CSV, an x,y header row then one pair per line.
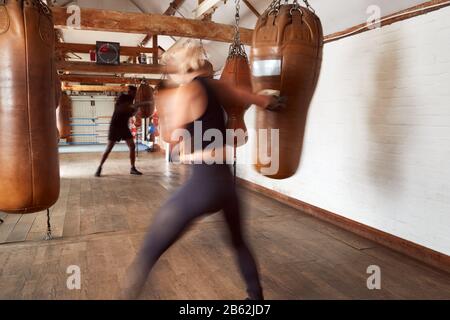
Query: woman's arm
x,y
230,95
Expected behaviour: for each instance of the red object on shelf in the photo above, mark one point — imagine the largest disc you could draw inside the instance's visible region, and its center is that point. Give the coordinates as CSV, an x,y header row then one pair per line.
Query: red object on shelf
x,y
93,55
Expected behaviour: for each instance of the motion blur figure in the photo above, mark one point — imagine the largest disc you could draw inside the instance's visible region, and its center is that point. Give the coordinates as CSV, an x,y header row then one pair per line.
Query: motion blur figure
x,y
124,109
210,187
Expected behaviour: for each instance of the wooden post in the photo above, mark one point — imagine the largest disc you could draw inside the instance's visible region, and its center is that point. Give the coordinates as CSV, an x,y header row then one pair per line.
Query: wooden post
x,y
155,49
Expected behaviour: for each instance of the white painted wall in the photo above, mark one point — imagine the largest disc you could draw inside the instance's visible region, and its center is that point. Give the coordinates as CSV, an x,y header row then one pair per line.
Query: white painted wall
x,y
377,145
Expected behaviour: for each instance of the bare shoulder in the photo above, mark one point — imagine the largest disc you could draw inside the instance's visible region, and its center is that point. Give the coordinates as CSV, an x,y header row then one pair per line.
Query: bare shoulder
x,y
193,89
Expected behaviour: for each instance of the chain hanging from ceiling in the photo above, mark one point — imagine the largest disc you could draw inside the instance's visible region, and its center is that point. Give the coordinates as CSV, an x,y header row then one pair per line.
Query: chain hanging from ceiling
x,y
236,47
274,7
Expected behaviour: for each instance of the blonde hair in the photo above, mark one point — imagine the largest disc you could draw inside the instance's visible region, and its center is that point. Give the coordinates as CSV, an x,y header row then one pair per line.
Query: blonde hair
x,y
188,55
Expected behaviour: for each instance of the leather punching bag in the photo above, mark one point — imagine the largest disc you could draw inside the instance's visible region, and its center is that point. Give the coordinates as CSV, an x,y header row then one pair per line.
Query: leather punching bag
x,y
237,73
29,167
145,94
286,57
58,91
63,115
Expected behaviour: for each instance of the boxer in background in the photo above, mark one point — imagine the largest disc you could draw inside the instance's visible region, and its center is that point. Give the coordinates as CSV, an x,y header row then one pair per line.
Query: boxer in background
x,y
119,130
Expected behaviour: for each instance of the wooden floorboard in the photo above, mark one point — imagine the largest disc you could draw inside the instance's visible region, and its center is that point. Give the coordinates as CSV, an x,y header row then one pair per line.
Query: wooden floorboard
x,y
99,223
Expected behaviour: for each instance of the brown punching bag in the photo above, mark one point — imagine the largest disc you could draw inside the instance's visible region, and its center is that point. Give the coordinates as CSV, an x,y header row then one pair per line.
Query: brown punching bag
x,y
237,73
145,94
29,167
58,93
63,115
286,57
58,90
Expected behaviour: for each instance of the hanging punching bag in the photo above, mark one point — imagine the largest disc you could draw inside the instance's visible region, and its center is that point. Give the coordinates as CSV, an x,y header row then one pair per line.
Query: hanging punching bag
x,y
145,94
286,57
237,73
29,168
58,91
63,115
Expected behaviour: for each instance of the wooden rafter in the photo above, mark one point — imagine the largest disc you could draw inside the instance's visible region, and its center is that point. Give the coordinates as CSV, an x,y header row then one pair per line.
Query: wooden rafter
x,y
115,21
173,7
79,66
155,50
93,88
101,79
85,48
252,8
206,7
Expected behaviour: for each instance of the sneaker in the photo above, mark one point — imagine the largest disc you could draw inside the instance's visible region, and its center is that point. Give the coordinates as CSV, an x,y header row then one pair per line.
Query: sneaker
x,y
135,172
98,173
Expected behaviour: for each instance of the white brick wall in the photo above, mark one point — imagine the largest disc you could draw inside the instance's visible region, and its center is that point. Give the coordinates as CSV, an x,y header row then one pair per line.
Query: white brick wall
x,y
377,145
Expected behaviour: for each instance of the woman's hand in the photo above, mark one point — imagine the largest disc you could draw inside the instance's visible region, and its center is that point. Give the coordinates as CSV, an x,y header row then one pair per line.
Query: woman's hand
x,y
276,103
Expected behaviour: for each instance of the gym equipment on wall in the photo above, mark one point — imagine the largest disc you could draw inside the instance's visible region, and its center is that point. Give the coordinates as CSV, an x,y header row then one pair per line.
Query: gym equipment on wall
x,y
29,165
286,57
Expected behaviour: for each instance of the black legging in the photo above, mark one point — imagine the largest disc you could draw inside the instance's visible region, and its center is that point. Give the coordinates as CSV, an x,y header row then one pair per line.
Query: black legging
x,y
209,189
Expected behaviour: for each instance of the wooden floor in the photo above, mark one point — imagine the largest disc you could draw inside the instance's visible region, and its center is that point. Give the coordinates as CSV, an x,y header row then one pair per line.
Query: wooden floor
x,y
99,223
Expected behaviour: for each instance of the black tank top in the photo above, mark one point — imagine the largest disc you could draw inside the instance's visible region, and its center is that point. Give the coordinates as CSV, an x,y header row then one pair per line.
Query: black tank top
x,y
212,118
122,112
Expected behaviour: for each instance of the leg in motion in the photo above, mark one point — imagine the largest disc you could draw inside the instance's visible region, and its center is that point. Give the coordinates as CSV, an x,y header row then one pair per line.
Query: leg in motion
x,y
108,150
168,225
245,258
132,147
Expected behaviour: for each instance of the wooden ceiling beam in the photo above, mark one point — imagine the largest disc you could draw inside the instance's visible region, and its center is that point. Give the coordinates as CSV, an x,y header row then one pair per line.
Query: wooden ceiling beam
x,y
127,22
252,8
173,7
85,48
79,66
94,79
90,88
206,7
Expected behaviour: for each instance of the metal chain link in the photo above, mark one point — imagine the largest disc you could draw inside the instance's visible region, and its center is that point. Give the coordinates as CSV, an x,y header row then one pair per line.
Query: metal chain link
x,y
296,7
49,235
274,7
308,6
44,7
236,47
